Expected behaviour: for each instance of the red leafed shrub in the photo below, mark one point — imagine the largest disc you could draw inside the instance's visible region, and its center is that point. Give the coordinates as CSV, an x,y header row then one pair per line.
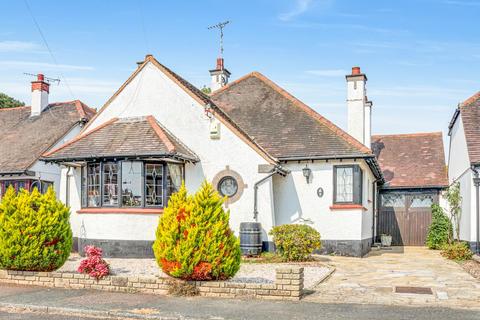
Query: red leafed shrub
x,y
202,271
94,265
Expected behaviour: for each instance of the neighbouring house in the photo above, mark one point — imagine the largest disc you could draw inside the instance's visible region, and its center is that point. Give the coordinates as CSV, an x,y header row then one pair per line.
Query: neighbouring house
x,y
413,166
275,159
27,132
464,165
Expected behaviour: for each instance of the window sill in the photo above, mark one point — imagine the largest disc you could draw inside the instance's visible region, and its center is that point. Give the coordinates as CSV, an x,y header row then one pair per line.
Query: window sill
x,y
120,210
347,207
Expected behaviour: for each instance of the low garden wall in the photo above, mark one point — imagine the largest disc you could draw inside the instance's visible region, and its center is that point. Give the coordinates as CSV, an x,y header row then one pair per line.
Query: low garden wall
x,y
288,284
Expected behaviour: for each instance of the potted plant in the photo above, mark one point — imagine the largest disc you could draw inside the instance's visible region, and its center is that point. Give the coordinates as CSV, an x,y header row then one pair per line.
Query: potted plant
x,y
386,240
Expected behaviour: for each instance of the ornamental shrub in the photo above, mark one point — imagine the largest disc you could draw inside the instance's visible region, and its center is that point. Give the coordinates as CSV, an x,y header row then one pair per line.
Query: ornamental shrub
x,y
295,242
458,251
35,233
94,265
193,238
440,230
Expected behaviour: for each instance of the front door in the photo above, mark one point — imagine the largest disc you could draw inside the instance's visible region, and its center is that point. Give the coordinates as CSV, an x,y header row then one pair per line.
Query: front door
x,y
406,215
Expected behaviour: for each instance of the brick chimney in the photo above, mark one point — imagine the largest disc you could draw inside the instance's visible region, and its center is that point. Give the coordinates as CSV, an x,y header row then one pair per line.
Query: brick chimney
x,y
219,75
359,107
40,90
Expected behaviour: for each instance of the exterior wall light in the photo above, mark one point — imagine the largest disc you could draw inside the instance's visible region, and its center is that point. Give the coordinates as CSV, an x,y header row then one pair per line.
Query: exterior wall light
x,y
307,172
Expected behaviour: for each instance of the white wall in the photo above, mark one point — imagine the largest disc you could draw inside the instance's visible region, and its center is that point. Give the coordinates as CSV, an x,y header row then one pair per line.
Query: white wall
x,y
295,199
152,93
459,171
49,171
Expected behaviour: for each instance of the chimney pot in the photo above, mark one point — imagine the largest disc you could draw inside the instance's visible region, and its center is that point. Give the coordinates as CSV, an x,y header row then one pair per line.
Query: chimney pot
x,y
356,70
40,77
219,63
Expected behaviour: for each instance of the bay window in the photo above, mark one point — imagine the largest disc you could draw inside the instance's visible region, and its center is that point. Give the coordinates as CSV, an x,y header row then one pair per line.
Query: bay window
x,y
347,184
129,184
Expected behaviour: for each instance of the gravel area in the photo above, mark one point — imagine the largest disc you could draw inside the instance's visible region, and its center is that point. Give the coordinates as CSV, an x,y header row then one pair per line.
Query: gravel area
x,y
249,272
472,267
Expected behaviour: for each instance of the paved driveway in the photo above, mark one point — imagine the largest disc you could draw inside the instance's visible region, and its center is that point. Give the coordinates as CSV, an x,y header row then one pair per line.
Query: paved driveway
x,y
373,279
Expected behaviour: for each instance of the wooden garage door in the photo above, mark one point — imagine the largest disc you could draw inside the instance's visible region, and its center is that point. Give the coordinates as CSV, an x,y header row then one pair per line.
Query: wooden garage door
x,y
406,216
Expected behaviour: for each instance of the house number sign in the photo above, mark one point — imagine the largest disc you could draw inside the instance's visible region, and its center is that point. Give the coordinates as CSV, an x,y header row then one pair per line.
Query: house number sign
x,y
320,192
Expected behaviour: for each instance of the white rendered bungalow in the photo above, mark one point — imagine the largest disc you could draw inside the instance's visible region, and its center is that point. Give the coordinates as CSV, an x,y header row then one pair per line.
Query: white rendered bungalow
x,y
464,166
276,160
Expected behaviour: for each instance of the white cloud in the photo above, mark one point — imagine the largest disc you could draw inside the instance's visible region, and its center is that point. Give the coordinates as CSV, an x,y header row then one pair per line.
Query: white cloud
x,y
17,46
328,72
15,64
301,6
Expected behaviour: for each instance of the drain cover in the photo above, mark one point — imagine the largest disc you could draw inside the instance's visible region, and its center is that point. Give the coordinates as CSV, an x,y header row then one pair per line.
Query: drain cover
x,y
414,290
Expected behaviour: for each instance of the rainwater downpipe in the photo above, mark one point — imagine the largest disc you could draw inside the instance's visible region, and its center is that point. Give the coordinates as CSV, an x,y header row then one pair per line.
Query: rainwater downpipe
x,y
255,193
476,182
67,187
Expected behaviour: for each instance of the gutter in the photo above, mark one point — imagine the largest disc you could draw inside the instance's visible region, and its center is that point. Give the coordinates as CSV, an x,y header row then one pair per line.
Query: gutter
x,y
277,170
131,156
18,173
370,159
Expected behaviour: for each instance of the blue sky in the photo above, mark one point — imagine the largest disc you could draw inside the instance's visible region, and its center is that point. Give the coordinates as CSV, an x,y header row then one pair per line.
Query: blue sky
x,y
421,57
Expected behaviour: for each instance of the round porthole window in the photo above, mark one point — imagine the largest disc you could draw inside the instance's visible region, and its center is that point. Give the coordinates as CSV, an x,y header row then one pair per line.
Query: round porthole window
x,y
227,186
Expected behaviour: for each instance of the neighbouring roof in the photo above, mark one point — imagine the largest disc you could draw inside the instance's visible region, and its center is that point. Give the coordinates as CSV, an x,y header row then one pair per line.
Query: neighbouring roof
x,y
470,111
284,126
24,138
126,137
411,160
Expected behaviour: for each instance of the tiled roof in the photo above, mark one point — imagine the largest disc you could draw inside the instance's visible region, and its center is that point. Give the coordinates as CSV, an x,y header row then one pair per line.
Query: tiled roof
x,y
23,138
127,137
470,112
411,160
284,126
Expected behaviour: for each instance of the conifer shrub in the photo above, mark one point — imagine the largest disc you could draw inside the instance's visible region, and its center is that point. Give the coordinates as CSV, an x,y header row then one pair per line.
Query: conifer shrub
x,y
295,242
35,233
193,238
440,230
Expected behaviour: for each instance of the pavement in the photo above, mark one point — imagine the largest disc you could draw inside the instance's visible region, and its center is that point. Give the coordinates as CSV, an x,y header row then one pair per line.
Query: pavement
x,y
372,280
22,302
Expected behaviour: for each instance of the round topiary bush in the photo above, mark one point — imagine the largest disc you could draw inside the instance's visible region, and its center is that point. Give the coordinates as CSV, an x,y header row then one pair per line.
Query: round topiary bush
x,y
35,233
295,242
440,230
193,238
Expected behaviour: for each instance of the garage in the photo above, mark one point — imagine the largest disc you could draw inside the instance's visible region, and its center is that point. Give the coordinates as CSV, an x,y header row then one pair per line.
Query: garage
x,y
406,215
413,166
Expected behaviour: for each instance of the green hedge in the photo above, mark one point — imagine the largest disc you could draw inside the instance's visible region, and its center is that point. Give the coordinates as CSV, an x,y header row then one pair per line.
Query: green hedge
x,y
35,233
440,230
295,242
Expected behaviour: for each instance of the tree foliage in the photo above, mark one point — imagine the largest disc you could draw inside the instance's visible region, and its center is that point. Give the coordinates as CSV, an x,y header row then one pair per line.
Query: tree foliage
x,y
440,230
455,203
295,242
9,102
193,238
35,233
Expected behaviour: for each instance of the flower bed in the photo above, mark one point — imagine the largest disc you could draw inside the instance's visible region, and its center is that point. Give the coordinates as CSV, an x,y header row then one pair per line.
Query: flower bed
x,y
249,272
288,284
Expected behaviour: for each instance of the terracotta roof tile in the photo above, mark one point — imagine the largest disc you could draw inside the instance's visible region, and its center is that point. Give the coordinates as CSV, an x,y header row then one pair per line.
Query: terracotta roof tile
x,y
128,137
283,125
470,113
23,138
411,160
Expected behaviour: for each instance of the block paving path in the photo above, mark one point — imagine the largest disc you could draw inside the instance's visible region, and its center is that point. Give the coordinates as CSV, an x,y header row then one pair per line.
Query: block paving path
x,y
372,280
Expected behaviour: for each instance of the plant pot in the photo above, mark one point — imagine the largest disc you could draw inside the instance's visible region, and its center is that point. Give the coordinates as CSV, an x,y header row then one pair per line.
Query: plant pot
x,y
386,240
